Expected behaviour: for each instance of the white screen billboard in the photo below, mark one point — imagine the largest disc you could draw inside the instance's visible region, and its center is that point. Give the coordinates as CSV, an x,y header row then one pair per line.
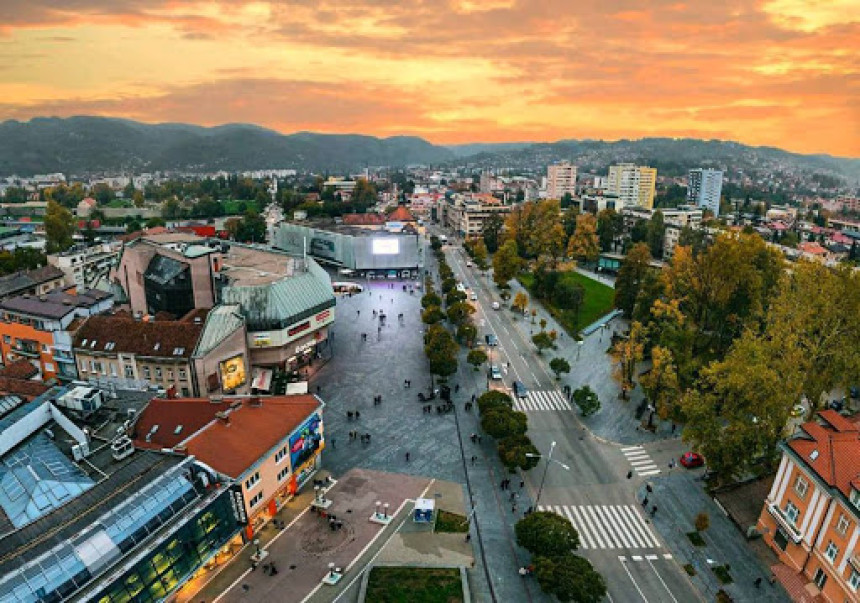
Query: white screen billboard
x,y
386,246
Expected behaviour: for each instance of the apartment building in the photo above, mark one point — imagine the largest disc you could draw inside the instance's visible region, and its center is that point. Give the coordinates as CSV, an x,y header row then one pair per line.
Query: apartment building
x,y
634,184
466,213
39,328
35,282
811,517
704,187
560,180
84,266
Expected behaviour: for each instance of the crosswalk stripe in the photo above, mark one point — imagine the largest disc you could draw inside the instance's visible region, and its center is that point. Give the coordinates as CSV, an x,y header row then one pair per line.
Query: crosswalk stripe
x,y
643,461
607,526
628,522
594,526
585,538
539,400
636,455
570,517
631,448
640,525
647,473
623,533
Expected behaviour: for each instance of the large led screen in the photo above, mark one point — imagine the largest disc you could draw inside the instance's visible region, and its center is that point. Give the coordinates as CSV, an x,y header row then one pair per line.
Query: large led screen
x,y
386,246
306,441
233,373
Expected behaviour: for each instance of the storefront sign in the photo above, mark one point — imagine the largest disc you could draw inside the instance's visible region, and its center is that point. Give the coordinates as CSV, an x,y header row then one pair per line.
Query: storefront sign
x,y
299,328
323,315
237,501
233,373
308,345
262,339
306,440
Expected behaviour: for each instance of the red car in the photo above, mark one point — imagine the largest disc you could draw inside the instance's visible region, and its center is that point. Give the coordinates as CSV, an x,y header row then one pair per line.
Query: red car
x,y
691,460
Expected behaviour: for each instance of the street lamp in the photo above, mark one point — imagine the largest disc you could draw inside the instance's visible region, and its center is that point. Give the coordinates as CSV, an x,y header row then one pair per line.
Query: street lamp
x,y
549,460
579,345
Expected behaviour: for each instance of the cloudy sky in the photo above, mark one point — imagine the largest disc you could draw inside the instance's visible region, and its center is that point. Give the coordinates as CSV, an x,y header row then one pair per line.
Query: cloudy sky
x,y
766,72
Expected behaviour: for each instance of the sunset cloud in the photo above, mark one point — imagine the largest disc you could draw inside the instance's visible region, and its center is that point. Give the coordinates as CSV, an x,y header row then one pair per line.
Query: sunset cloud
x,y
776,72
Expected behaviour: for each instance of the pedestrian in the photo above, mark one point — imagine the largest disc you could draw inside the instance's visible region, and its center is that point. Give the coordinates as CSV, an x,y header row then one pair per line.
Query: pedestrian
x,y
374,313
407,457
358,312
645,503
357,415
648,488
672,464
773,579
474,458
246,588
332,444
514,508
513,496
473,397
757,582
502,485
318,389
349,415
468,537
673,427
480,438
653,510
456,388
522,484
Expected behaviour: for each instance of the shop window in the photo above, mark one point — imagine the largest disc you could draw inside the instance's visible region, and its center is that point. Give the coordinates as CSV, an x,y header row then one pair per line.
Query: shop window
x,y
780,539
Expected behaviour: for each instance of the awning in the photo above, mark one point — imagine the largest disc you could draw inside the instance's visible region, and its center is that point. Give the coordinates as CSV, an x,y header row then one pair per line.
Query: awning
x,y
299,387
262,379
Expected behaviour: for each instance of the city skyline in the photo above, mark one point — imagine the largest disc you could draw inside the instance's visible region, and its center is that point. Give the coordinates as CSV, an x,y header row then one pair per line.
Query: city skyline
x,y
778,73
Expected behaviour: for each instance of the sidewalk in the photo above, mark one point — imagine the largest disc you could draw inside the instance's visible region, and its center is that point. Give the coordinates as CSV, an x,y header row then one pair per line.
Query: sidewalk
x,y
591,365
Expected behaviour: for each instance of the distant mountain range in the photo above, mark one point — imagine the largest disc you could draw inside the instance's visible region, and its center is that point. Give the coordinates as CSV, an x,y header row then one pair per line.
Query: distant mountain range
x,y
93,145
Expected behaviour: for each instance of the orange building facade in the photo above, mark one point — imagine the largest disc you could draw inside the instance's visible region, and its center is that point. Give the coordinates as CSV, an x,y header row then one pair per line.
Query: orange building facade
x,y
811,516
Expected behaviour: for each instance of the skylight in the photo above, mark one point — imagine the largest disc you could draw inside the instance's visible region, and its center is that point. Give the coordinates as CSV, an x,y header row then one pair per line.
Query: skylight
x,y
813,455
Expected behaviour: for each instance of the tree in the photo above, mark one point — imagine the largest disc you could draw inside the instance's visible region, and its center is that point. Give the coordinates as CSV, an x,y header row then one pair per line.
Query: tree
x,y
502,423
610,225
569,295
432,315
467,333
138,199
626,353
584,245
542,324
171,209
587,401
59,228
103,193
460,312
494,399
656,231
703,522
455,296
559,366
546,534
364,193
476,358
441,350
479,253
630,278
514,450
492,231
537,230
506,263
542,341
570,578
252,227
661,384
448,284
430,299
521,301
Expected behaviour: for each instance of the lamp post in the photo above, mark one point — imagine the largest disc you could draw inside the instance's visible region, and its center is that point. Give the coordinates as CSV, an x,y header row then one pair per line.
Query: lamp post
x,y
579,345
549,460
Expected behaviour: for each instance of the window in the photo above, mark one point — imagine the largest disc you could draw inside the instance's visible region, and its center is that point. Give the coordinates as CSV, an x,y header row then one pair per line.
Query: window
x,y
170,375
791,512
855,498
801,486
854,579
45,348
256,499
182,374
820,578
831,551
49,367
158,372
281,454
252,481
283,473
129,371
146,373
113,370
7,339
842,525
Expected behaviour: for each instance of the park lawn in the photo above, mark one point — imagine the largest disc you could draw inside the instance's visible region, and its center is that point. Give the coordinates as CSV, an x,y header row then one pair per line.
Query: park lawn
x,y
451,522
414,585
599,301
237,207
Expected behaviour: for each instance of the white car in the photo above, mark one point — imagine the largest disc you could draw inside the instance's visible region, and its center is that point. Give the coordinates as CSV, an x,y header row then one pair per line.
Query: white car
x,y
474,296
495,372
496,305
468,264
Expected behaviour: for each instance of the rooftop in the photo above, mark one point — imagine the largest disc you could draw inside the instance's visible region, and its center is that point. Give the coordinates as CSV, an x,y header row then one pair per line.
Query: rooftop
x,y
401,214
21,281
249,266
831,448
252,427
54,304
120,334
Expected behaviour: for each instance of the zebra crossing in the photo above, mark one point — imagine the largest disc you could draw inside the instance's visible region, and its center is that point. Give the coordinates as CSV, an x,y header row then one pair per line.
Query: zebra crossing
x,y
640,460
607,526
540,400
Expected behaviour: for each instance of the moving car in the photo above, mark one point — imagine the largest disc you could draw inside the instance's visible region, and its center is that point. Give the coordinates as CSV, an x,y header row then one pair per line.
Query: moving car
x,y
520,390
495,372
691,460
496,305
491,340
469,264
474,296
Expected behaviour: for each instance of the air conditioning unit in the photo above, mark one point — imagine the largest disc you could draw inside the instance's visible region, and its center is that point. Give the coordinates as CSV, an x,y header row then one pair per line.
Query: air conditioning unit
x,y
80,451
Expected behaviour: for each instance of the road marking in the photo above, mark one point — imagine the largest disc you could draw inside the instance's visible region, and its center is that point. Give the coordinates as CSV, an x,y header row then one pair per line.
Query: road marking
x,y
651,557
608,526
640,460
667,556
629,575
538,400
636,558
663,582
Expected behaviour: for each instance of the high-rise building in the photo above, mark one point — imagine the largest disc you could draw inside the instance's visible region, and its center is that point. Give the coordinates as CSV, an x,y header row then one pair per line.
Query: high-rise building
x,y
704,187
634,184
560,180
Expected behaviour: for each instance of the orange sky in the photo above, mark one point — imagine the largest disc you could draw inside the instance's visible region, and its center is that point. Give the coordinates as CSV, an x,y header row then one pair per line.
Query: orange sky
x,y
768,72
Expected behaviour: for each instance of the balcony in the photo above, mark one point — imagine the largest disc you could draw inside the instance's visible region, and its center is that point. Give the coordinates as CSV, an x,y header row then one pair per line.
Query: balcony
x,y
27,350
792,530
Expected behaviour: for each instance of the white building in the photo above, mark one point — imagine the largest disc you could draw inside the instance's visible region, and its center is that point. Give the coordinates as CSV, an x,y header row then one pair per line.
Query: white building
x,y
704,187
634,185
560,180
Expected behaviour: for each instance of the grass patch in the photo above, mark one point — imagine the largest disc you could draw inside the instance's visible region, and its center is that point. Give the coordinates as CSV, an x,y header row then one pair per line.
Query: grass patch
x,y
696,538
599,301
414,585
236,207
451,522
691,571
723,575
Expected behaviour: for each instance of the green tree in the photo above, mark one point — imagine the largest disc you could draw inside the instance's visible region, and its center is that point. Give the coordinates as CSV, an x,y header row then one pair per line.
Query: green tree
x,y
460,312
492,231
15,194
133,226
455,296
542,341
584,245
448,284
506,263
364,193
59,228
569,295
631,275
570,578
514,450
103,193
476,358
656,231
171,209
430,299
545,533
479,253
432,315
559,366
494,399
467,333
587,401
502,423
252,227
610,225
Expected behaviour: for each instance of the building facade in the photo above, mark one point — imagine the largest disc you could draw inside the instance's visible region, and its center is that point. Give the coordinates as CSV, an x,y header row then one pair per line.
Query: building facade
x,y
811,517
704,187
560,180
466,213
634,185
85,267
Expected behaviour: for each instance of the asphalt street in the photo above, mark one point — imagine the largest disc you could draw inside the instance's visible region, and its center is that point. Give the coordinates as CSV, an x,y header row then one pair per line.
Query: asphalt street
x,y
594,493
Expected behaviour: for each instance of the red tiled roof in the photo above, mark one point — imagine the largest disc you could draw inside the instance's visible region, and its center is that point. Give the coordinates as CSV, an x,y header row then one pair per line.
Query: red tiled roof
x,y
363,219
228,447
812,247
22,387
20,369
174,339
835,444
401,214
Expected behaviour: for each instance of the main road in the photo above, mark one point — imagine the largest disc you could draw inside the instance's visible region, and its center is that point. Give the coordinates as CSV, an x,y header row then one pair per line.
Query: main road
x,y
595,493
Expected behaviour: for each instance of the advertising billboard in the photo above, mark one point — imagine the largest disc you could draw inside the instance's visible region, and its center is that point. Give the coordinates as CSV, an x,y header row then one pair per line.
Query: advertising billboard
x,y
388,246
306,441
233,373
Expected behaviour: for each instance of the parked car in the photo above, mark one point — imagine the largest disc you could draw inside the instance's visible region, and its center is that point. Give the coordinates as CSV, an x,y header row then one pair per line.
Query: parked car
x,y
691,460
496,305
474,296
469,264
495,372
491,340
520,390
